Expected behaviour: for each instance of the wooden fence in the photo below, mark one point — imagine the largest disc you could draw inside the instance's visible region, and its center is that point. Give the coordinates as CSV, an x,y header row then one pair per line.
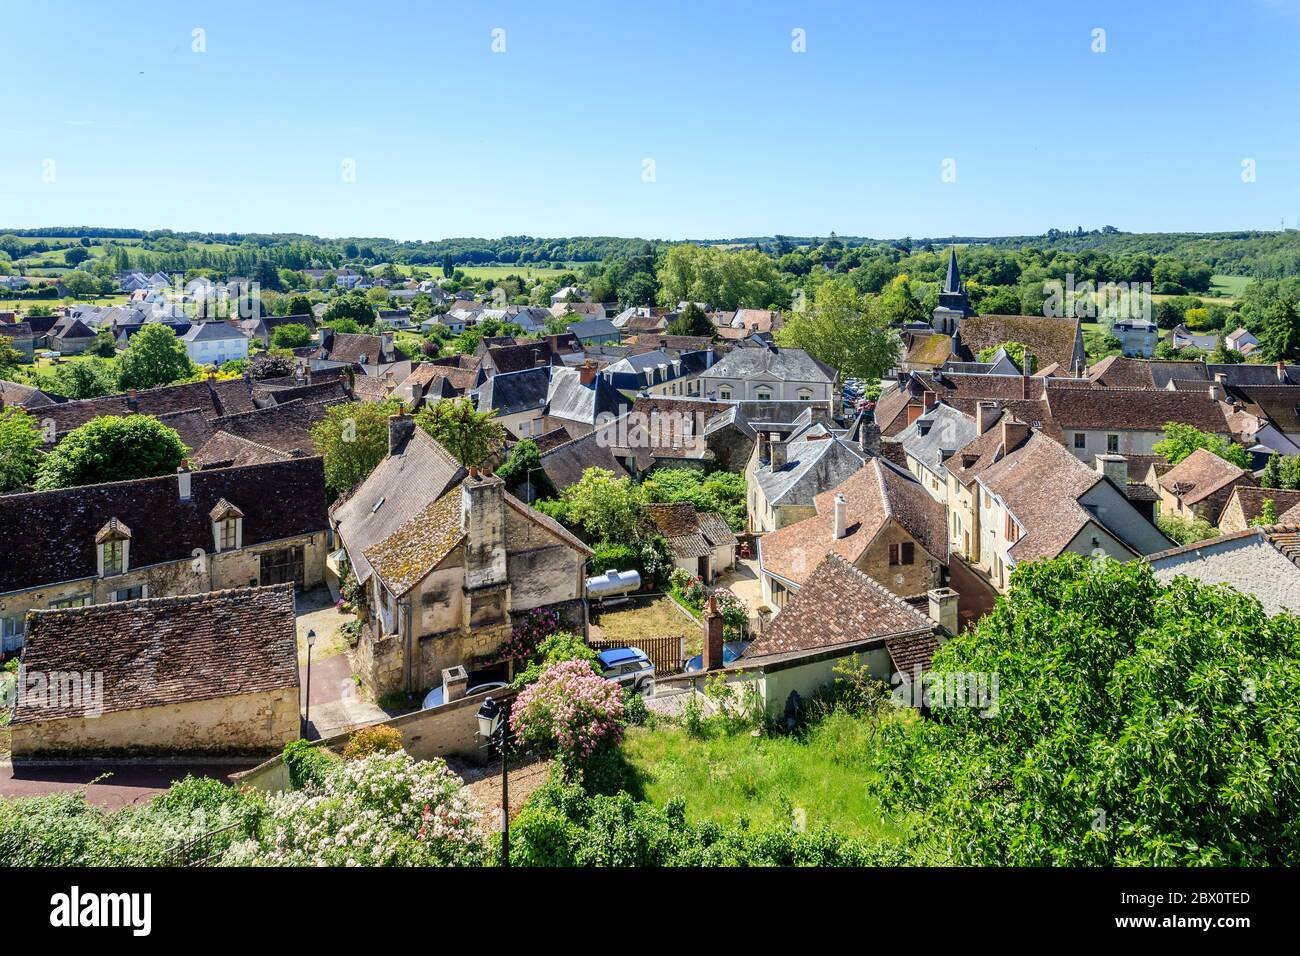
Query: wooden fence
x,y
666,653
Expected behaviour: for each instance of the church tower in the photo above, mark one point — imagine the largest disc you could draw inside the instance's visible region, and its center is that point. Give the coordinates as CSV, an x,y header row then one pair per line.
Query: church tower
x,y
953,305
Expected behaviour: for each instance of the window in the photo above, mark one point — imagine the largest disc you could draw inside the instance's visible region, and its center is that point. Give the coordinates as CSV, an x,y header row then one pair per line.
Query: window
x,y
1112,443
724,393
1080,440
112,556
763,394
1010,530
83,601
11,632
229,533
129,594
805,395
903,553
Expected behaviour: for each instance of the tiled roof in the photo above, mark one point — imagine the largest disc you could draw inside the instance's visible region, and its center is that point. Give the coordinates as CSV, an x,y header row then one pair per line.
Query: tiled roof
x,y
161,651
285,427
714,527
516,358
423,374
352,347
224,450
52,532
838,606
394,493
408,554
1118,409
599,448
214,397
873,496
27,396
927,348
1251,501
1051,340
912,652
1200,475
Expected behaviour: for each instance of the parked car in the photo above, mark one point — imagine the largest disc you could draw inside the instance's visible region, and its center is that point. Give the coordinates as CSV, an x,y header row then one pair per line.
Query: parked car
x,y
630,667
434,697
730,651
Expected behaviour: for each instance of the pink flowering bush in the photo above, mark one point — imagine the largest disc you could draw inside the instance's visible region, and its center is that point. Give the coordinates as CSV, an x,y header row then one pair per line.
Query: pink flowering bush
x,y
529,632
734,613
571,711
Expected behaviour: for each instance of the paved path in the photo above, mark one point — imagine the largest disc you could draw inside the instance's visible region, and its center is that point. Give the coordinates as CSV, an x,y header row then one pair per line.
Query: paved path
x,y
126,785
336,702
743,581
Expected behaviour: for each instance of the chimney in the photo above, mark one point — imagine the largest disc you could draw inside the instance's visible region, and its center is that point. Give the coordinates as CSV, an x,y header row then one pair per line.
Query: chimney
x,y
1024,387
483,518
777,450
764,453
1281,374
401,427
1216,391
455,680
869,438
943,608
326,340
1114,467
713,636
929,400
841,515
587,372
183,480
986,413
1013,433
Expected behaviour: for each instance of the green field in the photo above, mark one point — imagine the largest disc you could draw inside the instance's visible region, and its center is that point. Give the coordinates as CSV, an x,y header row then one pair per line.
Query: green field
x,y
769,780
22,305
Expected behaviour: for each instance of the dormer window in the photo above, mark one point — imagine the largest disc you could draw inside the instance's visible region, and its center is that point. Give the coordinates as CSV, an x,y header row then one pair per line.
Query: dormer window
x,y
227,526
763,394
113,547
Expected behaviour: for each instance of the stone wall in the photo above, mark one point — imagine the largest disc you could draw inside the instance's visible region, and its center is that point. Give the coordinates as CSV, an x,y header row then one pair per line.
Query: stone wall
x,y
905,580
245,724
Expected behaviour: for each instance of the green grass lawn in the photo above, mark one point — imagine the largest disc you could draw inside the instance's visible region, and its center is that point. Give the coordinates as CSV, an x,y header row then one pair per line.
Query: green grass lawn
x,y
767,779
1229,286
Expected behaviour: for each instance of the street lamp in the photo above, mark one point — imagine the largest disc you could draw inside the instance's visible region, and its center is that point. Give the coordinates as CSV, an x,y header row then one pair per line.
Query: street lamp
x,y
528,477
494,727
311,642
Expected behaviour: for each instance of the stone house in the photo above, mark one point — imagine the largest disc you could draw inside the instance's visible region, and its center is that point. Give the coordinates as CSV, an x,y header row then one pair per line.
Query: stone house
x,y
788,470
880,519
768,374
447,560
187,533
931,440
206,674
700,543
1016,495
1199,486
1246,504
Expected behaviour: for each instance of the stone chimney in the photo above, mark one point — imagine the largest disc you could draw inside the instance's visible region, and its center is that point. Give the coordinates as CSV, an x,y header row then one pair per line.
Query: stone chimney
x,y
1115,467
483,518
455,681
1216,391
869,438
1013,433
1024,387
943,608
777,449
841,515
183,480
713,636
587,372
401,427
986,413
929,400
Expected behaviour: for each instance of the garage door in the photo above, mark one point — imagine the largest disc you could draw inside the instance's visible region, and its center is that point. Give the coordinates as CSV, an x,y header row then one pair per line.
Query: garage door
x,y
283,566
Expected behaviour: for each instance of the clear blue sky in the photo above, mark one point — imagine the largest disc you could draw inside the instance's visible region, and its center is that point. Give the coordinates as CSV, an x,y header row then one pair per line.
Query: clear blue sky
x,y
747,137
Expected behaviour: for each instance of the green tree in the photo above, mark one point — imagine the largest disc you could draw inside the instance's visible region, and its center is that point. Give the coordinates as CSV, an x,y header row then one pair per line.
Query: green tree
x,y
1272,476
691,321
10,359
1133,724
1016,350
603,506
472,436
112,448
1181,440
1279,338
154,357
20,443
105,345
843,332
291,336
523,469
299,305
1267,513
353,439
89,378
897,305
350,305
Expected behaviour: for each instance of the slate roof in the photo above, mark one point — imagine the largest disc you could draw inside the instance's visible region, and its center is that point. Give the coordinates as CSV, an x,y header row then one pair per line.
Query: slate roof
x,y
224,450
53,532
593,328
941,430
1284,536
517,358
1200,475
394,493
25,396
1281,403
688,533
509,393
838,607
355,348
786,365
212,332
876,495
569,399
161,651
815,461
284,427
565,463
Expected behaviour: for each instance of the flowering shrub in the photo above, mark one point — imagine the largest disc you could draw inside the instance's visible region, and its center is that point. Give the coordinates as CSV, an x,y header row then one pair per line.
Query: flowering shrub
x,y
734,613
560,646
372,740
569,710
381,810
695,593
533,628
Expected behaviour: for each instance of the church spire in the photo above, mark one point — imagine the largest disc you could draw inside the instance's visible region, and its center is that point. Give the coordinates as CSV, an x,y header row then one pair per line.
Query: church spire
x,y
953,282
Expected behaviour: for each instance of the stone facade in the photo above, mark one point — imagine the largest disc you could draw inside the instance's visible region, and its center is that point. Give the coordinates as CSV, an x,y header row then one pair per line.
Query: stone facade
x,y
245,724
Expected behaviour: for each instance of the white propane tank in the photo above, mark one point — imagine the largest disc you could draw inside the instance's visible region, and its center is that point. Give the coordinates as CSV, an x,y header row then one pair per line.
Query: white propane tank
x,y
613,583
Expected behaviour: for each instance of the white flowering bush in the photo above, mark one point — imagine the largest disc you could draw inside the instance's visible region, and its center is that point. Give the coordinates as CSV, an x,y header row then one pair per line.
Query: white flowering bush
x,y
381,810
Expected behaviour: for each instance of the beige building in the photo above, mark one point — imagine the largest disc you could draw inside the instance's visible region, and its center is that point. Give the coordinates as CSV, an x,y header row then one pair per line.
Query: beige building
x,y
700,543
1199,486
788,469
200,675
189,533
448,559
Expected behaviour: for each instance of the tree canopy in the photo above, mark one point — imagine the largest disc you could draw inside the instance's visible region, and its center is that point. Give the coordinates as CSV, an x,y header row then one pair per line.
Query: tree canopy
x,y
353,439
472,436
153,357
1181,440
1134,724
20,443
842,330
112,448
